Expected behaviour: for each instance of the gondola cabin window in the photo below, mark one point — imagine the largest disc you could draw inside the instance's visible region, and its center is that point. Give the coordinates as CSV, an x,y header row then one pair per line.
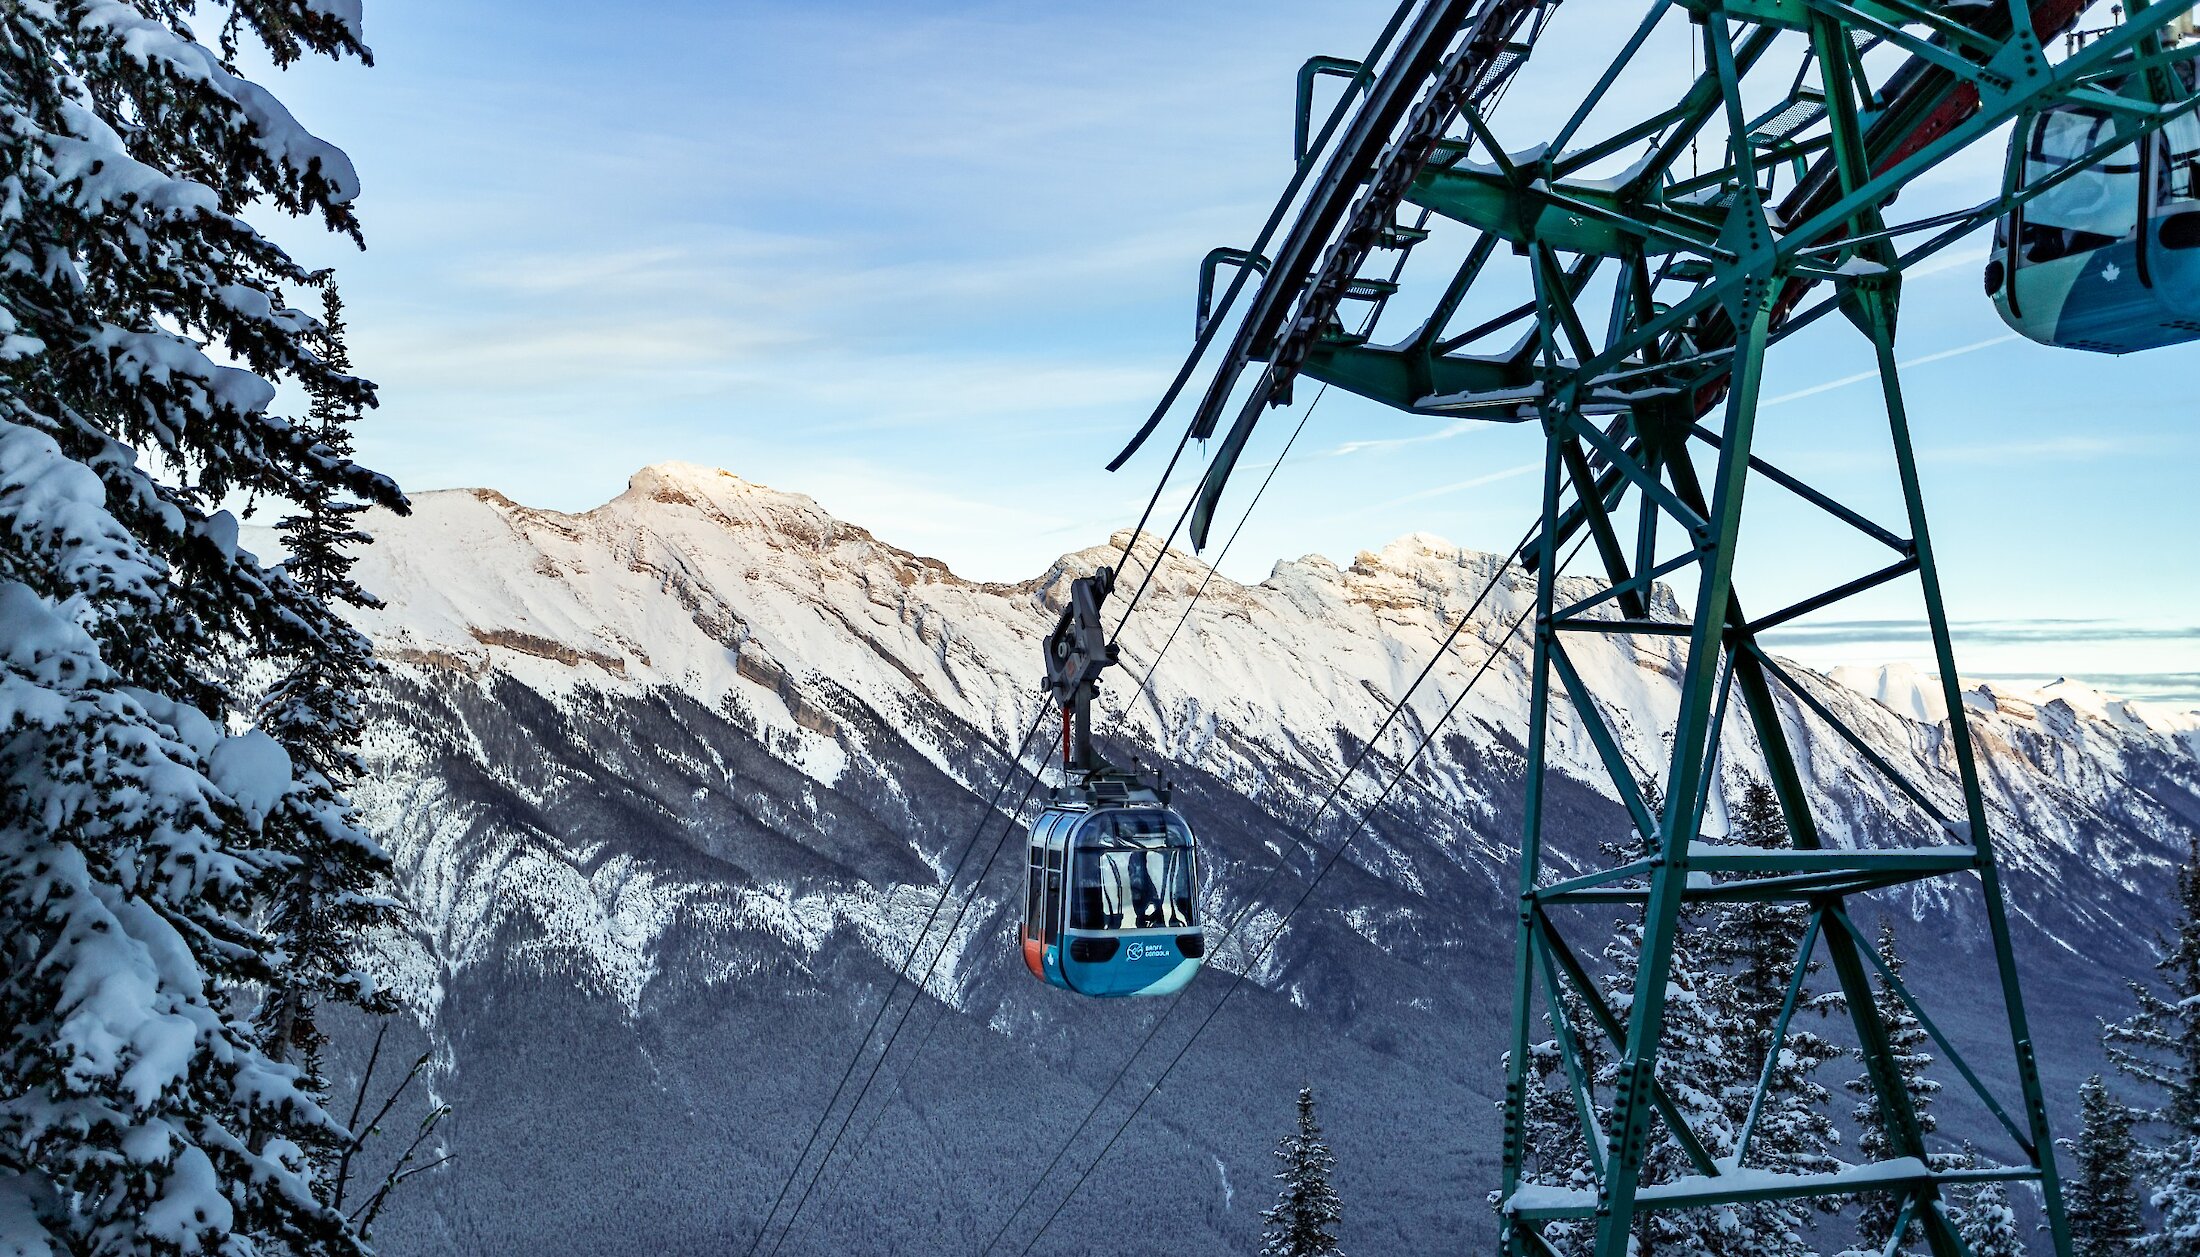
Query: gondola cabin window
x,y
1135,871
2100,202
1056,836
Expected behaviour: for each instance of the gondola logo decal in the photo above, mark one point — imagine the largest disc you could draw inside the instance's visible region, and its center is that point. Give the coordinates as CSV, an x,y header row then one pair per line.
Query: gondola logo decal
x,y
1141,951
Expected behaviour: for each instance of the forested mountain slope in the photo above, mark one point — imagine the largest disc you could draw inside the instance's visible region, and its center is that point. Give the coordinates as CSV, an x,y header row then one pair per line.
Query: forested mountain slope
x,y
671,785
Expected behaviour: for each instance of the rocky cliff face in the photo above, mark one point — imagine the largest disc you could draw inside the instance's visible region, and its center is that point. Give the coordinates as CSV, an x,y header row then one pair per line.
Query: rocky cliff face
x,y
672,785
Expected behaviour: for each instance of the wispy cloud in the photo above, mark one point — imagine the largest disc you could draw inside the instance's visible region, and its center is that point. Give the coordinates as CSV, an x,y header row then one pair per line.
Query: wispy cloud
x,y
856,248
1997,453
2126,658
2159,687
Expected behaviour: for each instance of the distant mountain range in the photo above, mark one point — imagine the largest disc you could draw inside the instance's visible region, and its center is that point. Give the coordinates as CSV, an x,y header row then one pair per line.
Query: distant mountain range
x,y
671,785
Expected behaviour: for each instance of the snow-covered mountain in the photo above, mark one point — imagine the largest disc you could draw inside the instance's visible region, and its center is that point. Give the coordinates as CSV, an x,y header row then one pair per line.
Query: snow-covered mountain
x,y
672,783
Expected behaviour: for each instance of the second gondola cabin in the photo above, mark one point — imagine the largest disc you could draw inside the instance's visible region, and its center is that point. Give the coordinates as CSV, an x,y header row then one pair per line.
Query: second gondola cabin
x,y
1111,904
2108,259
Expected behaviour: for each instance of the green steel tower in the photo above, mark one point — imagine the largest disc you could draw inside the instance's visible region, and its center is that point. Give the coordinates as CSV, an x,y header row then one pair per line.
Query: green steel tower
x,y
1619,284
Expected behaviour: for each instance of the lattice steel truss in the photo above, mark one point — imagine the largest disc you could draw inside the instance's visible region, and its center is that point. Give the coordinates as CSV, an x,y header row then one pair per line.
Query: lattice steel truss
x,y
1649,405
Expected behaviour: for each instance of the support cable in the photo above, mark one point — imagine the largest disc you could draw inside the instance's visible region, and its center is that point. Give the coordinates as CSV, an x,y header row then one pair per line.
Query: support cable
x,y
863,1141
946,888
1238,980
1151,569
1161,555
1302,833
1145,682
917,997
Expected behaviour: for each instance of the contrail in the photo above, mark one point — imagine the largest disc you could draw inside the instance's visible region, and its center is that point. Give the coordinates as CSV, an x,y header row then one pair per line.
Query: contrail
x,y
1862,376
1440,490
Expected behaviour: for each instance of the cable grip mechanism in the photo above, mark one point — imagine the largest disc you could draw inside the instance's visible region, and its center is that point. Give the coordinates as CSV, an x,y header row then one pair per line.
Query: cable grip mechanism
x,y
1077,653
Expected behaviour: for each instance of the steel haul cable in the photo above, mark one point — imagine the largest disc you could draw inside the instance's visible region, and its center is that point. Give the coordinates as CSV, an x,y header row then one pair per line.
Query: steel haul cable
x,y
1303,836
863,1141
1191,604
917,997
1244,273
1161,555
908,1071
1366,325
1239,979
984,817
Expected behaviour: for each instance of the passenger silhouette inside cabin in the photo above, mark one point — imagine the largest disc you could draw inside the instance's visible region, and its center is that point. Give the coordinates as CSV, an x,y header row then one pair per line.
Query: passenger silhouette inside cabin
x,y
1134,871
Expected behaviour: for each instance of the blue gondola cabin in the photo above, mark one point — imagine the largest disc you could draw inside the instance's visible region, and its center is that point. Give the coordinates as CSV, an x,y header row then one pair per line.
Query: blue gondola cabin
x,y
1112,901
2108,259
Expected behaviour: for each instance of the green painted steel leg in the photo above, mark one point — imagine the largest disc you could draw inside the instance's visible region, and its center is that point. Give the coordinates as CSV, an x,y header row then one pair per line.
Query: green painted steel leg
x,y
1531,848
1682,821
1875,311
1898,1115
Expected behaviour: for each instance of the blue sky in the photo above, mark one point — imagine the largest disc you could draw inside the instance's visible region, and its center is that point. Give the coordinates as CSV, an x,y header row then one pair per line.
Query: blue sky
x,y
930,263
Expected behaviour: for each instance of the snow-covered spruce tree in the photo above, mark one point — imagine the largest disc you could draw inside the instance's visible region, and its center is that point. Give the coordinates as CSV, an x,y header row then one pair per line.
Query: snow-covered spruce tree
x,y
1906,1037
1760,938
2158,1047
2173,1183
1983,1218
138,1111
1304,1220
1704,1063
1553,1139
2103,1192
1795,1133
327,897
1552,1133
1701,1066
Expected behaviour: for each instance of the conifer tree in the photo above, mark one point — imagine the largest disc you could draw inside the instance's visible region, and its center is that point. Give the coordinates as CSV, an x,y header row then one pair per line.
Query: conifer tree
x,y
1553,1136
139,1113
1704,1061
1984,1221
327,891
2158,1047
1701,1065
1697,1063
1906,1039
1304,1220
1631,844
1552,1133
2102,1195
1761,938
1794,1133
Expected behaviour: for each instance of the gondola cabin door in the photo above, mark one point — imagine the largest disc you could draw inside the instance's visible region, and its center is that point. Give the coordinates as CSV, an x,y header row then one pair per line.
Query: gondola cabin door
x,y
1044,894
